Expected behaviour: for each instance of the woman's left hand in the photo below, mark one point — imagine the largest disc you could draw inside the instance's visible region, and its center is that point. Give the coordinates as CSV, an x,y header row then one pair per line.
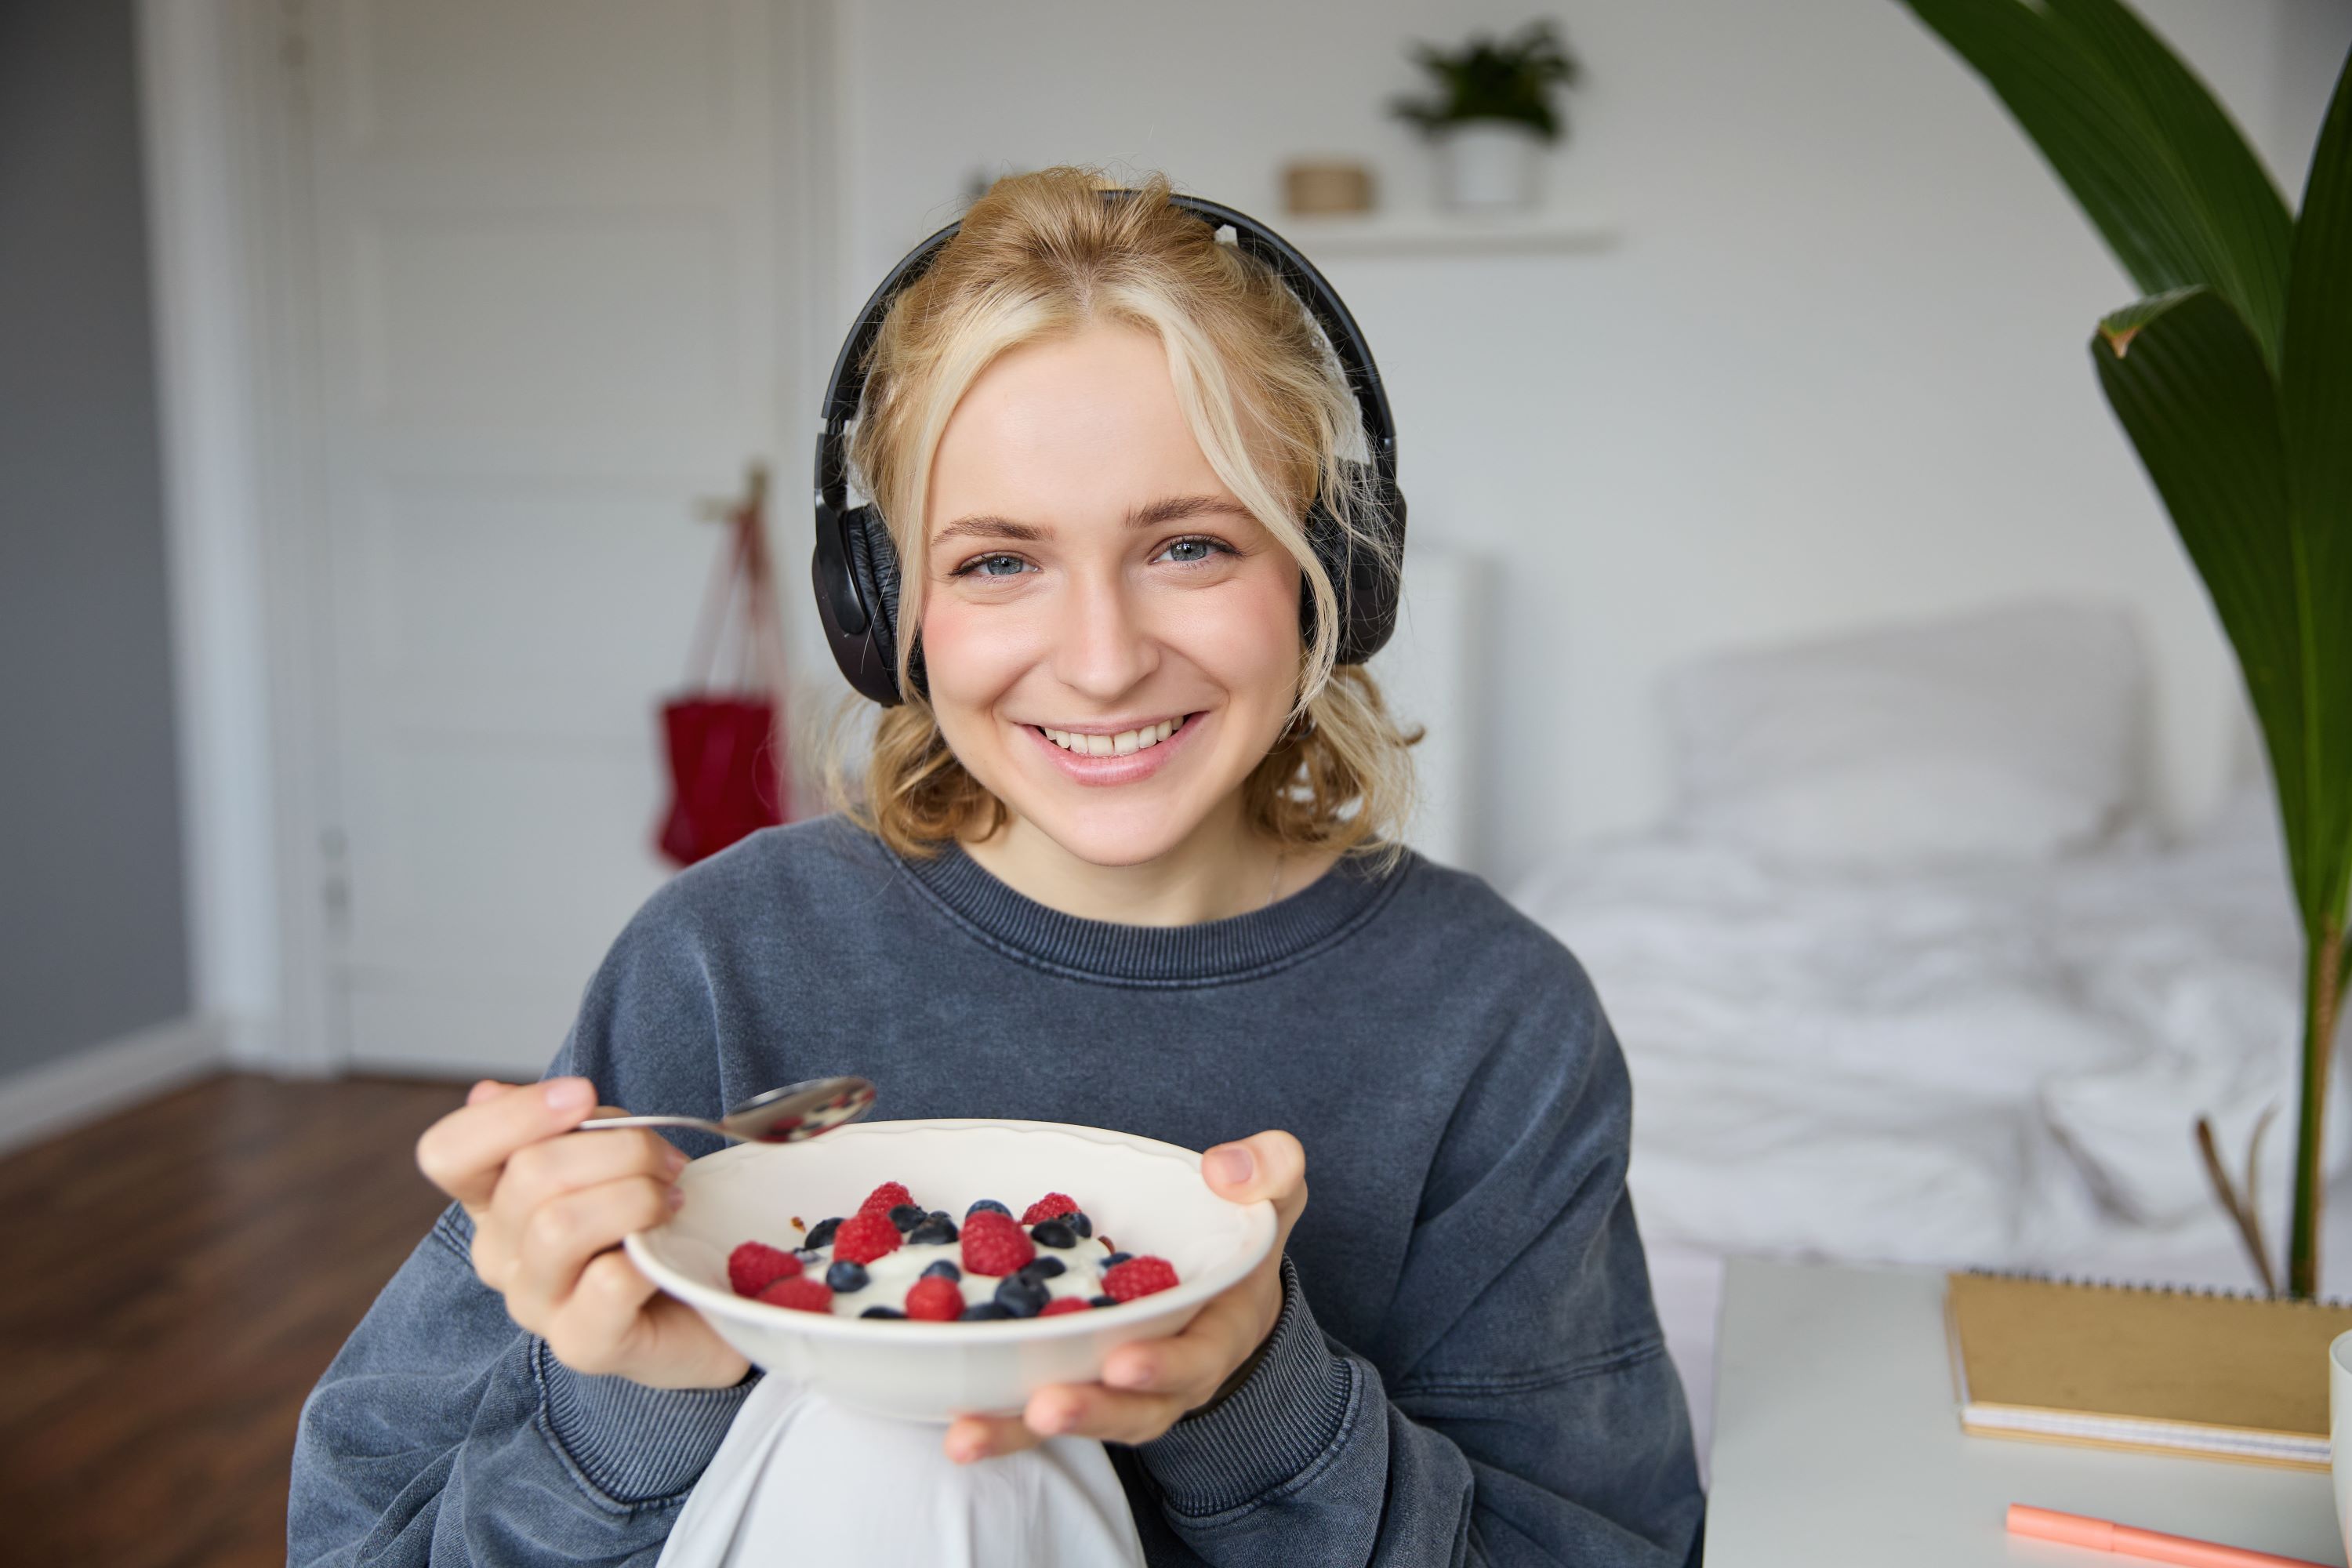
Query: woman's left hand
x,y
1148,1384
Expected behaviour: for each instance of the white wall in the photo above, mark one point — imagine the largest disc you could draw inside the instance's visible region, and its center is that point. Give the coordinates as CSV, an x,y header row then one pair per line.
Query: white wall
x,y
1833,372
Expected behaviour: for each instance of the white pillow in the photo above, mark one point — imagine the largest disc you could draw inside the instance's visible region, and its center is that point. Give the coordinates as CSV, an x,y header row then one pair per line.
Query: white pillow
x,y
2013,734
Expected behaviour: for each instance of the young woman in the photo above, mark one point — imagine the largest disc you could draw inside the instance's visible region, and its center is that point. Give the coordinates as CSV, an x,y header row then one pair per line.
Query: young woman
x,y
1127,855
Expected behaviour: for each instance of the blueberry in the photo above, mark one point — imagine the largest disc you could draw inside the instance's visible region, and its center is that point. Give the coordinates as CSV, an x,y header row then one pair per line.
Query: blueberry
x,y
1041,1267
809,1254
987,1203
1053,1233
1102,1300
941,1214
822,1235
980,1311
1115,1257
907,1217
845,1277
1079,1223
933,1229
942,1269
1021,1297
881,1312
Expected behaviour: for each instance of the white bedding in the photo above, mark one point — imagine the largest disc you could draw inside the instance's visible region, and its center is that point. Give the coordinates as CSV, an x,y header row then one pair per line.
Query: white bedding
x,y
1998,1065
1907,979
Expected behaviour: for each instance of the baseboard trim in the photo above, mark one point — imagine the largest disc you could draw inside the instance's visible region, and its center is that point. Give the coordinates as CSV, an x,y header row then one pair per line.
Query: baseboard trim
x,y
85,1084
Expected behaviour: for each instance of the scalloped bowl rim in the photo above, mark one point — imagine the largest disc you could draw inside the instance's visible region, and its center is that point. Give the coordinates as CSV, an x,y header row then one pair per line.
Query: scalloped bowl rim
x,y
642,1247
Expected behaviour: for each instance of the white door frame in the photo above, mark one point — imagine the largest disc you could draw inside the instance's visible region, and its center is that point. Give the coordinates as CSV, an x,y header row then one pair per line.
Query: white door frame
x,y
230,240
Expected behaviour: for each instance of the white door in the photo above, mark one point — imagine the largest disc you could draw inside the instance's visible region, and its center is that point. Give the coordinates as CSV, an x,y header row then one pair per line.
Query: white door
x,y
548,282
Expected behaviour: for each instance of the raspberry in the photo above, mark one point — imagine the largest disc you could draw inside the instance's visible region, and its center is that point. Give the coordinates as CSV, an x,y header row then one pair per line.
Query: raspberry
x,y
1061,1304
1138,1277
864,1236
885,1197
995,1248
754,1266
934,1299
800,1293
1053,1206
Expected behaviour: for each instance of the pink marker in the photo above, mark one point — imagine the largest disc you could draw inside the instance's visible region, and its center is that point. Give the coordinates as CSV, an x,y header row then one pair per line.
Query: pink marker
x,y
2104,1535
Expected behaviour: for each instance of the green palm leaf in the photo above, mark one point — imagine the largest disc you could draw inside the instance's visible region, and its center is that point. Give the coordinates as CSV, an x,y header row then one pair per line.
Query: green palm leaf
x,y
2234,382
2315,399
2252,226
2186,380
2154,163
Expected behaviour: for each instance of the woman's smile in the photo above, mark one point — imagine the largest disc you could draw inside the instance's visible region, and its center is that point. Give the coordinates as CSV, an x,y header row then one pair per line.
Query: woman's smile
x,y
1130,755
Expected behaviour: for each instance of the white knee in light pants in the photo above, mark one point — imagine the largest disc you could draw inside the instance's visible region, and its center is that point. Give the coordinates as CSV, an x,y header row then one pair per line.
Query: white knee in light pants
x,y
800,1480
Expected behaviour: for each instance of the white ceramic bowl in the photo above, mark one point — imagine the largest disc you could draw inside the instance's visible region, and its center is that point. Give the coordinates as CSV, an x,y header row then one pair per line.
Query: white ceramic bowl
x,y
1149,1196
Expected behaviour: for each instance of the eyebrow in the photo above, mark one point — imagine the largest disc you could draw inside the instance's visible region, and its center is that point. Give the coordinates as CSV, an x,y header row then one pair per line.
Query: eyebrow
x,y
1167,509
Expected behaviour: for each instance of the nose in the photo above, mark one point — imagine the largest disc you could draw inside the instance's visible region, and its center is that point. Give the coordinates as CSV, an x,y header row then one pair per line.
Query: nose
x,y
1101,648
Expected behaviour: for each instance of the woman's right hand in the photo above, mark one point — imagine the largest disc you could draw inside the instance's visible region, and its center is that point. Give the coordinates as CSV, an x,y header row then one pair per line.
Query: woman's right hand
x,y
550,1206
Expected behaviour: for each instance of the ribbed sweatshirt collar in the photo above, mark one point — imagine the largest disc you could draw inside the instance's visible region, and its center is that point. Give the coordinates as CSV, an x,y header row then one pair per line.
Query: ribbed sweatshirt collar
x,y
1235,948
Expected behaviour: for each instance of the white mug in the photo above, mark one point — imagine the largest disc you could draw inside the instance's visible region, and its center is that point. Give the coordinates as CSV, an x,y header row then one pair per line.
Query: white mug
x,y
2339,1429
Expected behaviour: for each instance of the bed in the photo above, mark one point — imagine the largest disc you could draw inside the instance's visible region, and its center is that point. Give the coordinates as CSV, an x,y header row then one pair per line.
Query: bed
x,y
1909,976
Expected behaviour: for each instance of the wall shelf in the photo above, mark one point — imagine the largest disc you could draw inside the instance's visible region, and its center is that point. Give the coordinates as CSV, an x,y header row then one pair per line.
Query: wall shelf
x,y
1422,232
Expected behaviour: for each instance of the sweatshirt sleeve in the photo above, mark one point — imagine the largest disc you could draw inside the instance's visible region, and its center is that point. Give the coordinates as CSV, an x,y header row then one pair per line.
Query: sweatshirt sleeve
x,y
1528,1412
443,1433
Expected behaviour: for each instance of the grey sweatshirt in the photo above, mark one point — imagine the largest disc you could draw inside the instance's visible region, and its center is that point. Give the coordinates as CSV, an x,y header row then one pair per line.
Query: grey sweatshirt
x,y
1467,1367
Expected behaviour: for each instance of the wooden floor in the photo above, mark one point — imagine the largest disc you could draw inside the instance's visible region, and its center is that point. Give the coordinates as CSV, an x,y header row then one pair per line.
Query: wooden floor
x,y
172,1282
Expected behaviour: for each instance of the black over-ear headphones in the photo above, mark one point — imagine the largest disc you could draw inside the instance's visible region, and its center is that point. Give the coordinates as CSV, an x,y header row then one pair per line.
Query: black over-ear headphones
x,y
857,568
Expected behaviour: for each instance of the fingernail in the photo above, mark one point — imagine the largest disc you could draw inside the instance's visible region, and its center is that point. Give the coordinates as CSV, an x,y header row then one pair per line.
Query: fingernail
x,y
964,1452
1232,1164
1130,1375
570,1094
674,1158
677,1197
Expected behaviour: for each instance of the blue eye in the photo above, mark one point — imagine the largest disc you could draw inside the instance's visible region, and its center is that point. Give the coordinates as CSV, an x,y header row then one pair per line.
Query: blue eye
x,y
1207,548
986,565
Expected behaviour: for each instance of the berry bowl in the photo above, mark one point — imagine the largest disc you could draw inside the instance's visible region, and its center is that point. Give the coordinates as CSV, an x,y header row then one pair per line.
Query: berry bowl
x,y
1148,1195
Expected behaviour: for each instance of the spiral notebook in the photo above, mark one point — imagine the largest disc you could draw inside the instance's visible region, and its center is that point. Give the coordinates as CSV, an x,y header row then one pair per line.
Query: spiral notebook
x,y
2169,1370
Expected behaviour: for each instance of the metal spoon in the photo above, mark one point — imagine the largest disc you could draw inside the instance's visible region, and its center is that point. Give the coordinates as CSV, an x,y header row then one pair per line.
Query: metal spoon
x,y
784,1115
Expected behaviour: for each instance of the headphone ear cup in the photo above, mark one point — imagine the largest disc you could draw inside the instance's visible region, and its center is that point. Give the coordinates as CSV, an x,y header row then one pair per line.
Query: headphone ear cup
x,y
1367,590
877,586
874,560
1375,587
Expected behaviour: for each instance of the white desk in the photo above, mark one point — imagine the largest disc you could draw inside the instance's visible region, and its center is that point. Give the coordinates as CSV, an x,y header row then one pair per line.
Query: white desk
x,y
1837,1442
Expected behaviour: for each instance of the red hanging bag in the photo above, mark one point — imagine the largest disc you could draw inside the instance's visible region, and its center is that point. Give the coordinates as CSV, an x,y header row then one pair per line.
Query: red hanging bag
x,y
728,764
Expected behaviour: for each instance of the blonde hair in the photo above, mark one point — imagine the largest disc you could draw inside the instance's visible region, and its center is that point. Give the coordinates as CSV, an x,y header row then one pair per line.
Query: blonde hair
x,y
1043,256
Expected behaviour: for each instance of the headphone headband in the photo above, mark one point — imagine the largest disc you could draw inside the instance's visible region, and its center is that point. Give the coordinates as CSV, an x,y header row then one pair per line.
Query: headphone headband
x,y
856,572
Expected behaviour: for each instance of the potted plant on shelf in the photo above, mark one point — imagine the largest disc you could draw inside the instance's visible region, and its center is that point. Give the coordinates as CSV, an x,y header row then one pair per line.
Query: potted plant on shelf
x,y
1492,113
2233,380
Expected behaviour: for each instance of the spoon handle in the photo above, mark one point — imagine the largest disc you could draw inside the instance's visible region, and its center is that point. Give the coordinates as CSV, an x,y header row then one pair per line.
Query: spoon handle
x,y
599,1123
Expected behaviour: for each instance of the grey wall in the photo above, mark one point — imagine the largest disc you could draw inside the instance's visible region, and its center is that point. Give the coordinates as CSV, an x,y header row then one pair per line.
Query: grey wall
x,y
92,927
